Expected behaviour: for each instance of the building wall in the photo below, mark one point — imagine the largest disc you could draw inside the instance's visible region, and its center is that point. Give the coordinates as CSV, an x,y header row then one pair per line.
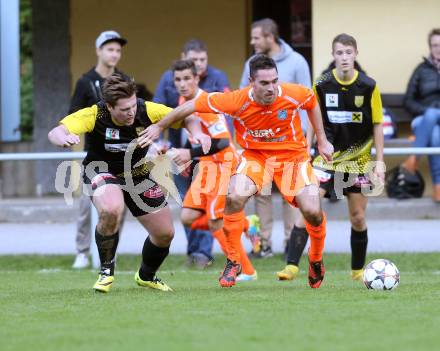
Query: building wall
x,y
156,31
391,35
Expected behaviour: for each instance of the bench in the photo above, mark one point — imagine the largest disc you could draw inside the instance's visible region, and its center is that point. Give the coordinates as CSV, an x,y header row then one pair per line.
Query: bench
x,y
401,117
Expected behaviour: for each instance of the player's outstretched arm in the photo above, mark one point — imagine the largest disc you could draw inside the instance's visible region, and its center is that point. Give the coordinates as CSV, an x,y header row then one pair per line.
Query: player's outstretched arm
x,y
310,136
193,126
151,133
60,136
324,147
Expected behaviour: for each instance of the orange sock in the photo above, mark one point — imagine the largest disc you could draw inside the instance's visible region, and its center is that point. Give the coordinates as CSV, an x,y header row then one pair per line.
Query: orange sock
x,y
233,228
245,224
201,223
317,239
221,238
246,265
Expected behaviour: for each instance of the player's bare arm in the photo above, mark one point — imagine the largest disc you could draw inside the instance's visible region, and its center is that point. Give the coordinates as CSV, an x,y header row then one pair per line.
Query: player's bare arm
x,y
180,156
310,135
193,126
60,136
325,148
191,123
153,132
378,139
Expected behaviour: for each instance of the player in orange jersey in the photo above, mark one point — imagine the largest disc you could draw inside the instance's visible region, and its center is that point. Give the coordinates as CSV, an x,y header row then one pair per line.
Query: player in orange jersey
x,y
205,200
268,127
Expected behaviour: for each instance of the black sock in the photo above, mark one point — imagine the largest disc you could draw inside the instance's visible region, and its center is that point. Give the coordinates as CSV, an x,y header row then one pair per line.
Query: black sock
x,y
152,258
296,245
359,242
107,245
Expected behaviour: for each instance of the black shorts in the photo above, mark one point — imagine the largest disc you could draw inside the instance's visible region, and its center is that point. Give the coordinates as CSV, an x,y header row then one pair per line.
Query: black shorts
x,y
139,198
361,183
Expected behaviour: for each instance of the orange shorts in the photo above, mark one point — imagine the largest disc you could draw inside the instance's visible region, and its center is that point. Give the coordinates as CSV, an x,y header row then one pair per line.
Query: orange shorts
x,y
209,188
291,171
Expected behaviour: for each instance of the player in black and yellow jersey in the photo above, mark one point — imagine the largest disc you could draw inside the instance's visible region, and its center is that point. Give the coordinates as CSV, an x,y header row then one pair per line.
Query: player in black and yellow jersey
x,y
352,114
116,175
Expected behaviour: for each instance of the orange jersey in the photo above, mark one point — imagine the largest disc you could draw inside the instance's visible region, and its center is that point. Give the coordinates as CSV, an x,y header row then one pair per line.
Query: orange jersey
x,y
215,126
263,127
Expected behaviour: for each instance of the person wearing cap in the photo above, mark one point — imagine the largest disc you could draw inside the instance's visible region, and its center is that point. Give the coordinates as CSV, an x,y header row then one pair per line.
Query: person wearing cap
x,y
87,93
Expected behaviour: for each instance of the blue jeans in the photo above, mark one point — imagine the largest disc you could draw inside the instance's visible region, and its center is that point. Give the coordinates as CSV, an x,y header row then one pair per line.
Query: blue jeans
x,y
427,131
199,241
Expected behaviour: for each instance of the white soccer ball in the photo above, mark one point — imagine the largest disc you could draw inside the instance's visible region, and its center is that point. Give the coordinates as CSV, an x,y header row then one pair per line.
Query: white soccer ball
x,y
381,274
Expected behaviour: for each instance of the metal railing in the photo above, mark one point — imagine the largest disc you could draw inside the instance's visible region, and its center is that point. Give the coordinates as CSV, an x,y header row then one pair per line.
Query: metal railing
x,y
37,156
41,156
65,156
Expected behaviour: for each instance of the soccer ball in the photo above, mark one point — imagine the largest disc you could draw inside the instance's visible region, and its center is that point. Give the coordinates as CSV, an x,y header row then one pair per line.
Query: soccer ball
x,y
381,274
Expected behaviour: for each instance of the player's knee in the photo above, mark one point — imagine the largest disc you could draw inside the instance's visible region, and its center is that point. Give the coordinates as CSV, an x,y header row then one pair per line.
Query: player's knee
x,y
109,219
357,219
312,214
234,203
166,236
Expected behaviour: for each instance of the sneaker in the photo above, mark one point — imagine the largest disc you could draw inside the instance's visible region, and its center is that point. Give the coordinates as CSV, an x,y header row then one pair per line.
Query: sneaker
x,y
264,253
357,274
253,232
316,274
247,277
104,282
229,275
81,261
290,272
156,283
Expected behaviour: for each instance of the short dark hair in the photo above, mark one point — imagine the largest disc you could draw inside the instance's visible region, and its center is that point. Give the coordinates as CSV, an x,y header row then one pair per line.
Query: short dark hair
x,y
182,65
117,87
344,39
435,31
259,62
194,45
268,26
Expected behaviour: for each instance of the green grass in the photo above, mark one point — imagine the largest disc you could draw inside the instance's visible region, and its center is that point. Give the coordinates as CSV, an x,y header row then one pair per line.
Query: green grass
x,y
47,306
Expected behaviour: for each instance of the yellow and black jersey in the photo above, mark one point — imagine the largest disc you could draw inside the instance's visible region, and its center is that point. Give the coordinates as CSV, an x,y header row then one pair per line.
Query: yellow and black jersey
x,y
349,111
108,140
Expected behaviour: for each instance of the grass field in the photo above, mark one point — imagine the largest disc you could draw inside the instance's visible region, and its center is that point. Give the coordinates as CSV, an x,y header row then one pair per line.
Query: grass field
x,y
47,306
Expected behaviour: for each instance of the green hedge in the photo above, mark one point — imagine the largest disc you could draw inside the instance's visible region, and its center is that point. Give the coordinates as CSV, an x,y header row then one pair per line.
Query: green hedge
x,y
26,79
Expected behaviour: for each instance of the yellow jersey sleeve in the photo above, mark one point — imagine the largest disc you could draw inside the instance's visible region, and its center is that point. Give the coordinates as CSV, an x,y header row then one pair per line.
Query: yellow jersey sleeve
x,y
315,92
376,106
156,112
82,121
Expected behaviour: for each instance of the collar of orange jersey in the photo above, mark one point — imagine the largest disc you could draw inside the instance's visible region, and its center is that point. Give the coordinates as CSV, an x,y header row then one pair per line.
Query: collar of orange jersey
x,y
182,99
251,90
345,82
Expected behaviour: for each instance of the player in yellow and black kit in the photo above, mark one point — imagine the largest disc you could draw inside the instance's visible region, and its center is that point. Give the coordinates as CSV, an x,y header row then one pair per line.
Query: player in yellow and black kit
x,y
352,114
115,178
